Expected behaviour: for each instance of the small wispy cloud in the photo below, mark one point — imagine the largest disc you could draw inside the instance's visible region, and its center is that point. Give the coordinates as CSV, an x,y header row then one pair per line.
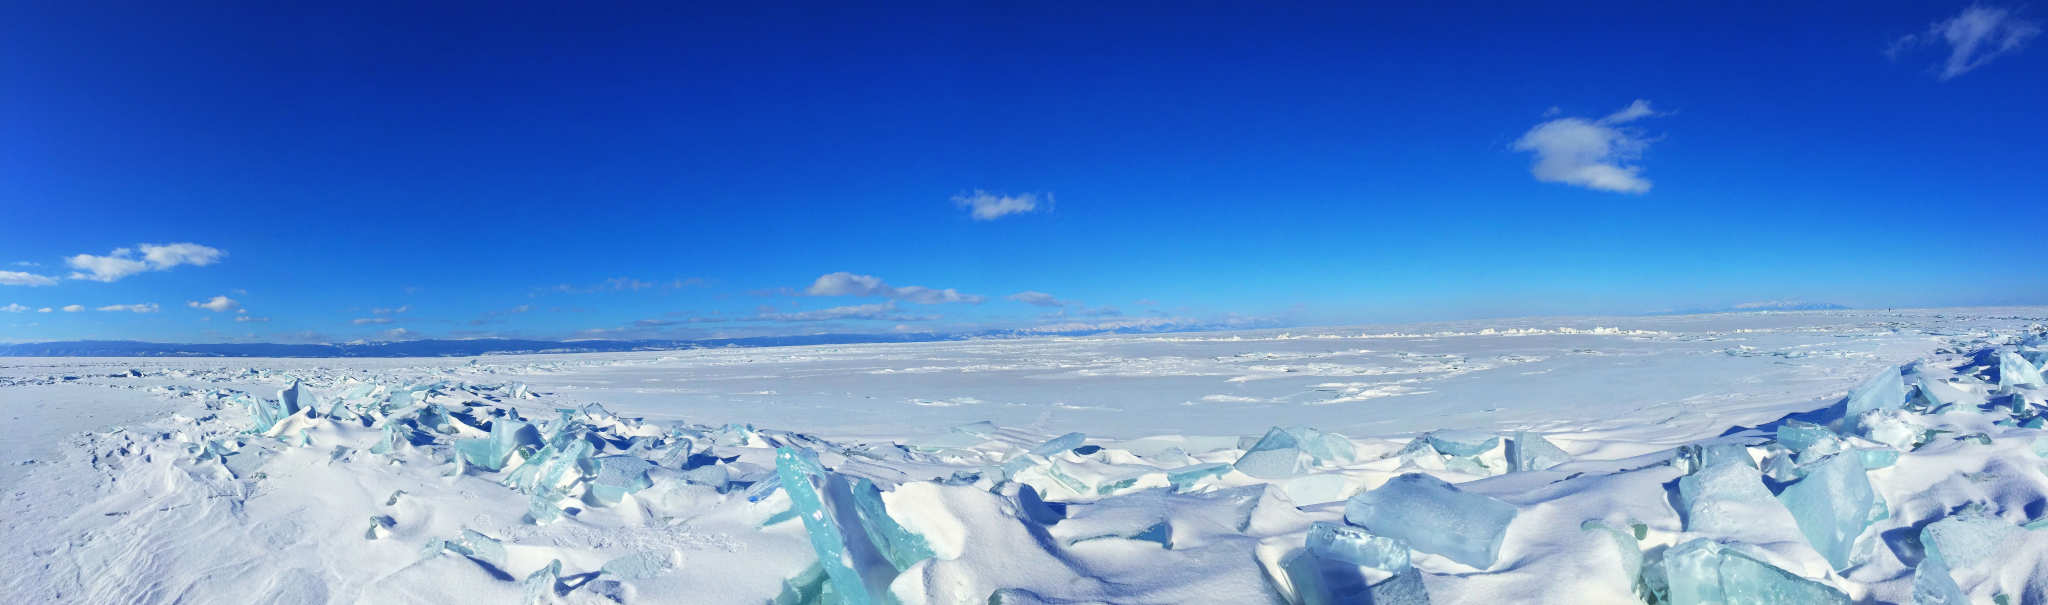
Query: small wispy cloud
x,y
18,278
1039,299
1974,37
138,308
400,309
123,262
14,308
988,206
371,320
848,284
626,284
73,308
1595,154
219,304
248,318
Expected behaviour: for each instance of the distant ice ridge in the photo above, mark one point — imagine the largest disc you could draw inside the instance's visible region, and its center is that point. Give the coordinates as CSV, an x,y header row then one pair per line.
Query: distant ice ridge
x,y
529,497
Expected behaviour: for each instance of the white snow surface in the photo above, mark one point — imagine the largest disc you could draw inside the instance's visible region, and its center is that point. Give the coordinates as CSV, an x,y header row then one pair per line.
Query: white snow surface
x,y
109,497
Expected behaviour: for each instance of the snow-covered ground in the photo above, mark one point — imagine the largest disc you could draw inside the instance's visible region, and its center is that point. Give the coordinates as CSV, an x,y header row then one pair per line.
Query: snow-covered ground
x,y
139,480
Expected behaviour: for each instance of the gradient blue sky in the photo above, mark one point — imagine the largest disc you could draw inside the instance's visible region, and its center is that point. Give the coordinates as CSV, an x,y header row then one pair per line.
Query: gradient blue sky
x,y
559,170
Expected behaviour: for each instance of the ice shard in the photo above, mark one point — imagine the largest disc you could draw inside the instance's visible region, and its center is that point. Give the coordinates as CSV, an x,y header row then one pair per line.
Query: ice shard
x,y
1434,517
1886,390
619,476
1059,444
1276,456
1463,443
1724,499
1964,541
1702,572
1419,454
1531,452
639,566
1803,435
540,585
480,547
2015,371
714,475
1037,509
1726,453
1358,547
901,546
859,571
491,453
1329,449
1185,478
1893,427
1832,506
1468,465
1932,585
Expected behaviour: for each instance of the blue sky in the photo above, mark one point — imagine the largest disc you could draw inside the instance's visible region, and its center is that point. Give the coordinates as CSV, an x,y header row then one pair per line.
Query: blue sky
x,y
339,171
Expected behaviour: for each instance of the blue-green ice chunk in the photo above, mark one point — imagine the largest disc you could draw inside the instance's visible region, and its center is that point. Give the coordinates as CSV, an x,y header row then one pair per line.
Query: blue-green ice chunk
x,y
1802,435
714,475
540,585
1276,456
901,546
1329,449
860,573
1747,580
491,453
1531,452
1701,572
1885,391
1059,444
2014,370
638,566
1876,457
1463,443
480,547
1932,585
1420,454
1726,453
1434,517
1358,547
1832,506
1962,542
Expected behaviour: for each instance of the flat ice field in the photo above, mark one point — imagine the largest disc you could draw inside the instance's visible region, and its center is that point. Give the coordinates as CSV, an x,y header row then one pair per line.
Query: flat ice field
x,y
1795,457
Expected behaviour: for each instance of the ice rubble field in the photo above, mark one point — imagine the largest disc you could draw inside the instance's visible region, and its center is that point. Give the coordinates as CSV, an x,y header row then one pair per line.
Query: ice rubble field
x,y
1820,457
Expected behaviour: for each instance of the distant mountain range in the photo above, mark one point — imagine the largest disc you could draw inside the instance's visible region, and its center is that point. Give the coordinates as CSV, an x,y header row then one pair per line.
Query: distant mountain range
x,y
1776,305
499,346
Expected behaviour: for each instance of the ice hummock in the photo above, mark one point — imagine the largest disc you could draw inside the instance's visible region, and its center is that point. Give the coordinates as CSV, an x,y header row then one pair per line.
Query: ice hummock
x,y
1434,517
1531,452
1886,390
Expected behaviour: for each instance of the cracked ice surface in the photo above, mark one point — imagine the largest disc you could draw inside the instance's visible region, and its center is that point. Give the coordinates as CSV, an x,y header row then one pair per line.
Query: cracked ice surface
x,y
1067,470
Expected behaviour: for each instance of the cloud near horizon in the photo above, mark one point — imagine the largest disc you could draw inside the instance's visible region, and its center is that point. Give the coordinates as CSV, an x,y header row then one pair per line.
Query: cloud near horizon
x,y
1974,37
122,262
885,311
1594,154
849,284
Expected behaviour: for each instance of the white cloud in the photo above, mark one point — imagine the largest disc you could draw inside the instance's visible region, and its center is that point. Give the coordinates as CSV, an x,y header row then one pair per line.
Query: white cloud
x,y
885,311
399,334
219,304
122,262
400,309
138,308
45,310
14,308
248,318
17,278
1040,299
1974,37
1594,154
848,284
371,320
73,308
988,206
